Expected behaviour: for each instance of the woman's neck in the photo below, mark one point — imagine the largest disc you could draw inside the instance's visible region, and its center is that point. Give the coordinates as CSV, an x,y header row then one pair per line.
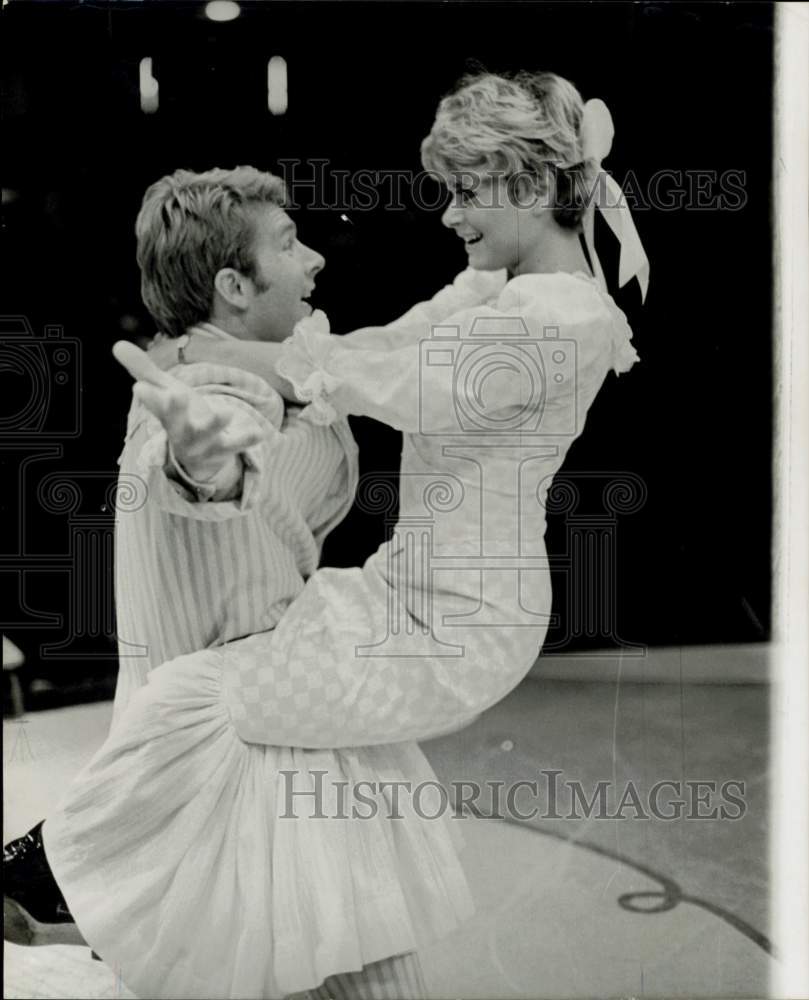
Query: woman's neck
x,y
560,250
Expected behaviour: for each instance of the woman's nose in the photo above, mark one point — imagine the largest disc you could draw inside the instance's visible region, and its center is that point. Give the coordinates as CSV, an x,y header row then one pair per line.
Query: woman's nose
x,y
452,216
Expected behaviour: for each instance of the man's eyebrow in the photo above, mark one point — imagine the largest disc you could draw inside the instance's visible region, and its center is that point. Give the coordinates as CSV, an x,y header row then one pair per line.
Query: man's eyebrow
x,y
287,226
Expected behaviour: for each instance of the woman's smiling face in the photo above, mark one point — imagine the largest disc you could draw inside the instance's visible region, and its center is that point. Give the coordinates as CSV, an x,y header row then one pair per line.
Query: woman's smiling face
x,y
500,227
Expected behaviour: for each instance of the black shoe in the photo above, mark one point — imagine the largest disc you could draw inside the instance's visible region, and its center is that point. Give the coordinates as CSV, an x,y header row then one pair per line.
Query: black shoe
x,y
34,909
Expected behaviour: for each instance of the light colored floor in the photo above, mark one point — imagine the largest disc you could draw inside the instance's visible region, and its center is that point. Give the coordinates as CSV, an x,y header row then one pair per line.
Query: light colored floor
x,y
548,926
549,917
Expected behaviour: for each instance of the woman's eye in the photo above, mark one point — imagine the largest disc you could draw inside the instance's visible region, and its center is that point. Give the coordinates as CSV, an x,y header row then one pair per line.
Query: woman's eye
x,y
466,196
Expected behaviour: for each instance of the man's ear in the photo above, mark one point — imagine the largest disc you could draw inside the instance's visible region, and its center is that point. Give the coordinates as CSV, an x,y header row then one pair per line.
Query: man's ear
x,y
233,287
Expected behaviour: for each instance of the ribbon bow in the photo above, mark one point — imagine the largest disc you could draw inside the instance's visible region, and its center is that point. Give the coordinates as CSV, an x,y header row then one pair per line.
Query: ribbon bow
x,y
596,133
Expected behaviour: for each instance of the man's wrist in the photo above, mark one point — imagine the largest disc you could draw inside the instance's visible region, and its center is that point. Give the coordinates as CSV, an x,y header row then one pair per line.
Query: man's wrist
x,y
223,483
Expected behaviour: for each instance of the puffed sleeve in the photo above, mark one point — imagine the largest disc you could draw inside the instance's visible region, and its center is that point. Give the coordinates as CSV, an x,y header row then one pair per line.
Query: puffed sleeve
x,y
470,288
560,321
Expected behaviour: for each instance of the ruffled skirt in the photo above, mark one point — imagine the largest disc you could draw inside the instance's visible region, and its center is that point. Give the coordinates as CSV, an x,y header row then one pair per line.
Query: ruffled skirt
x,y
198,865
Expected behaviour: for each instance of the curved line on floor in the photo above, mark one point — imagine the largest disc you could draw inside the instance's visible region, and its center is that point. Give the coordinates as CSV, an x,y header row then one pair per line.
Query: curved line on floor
x,y
670,896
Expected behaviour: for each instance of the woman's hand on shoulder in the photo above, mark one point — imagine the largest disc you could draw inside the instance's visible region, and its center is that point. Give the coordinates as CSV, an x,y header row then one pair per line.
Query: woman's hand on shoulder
x,y
164,351
257,357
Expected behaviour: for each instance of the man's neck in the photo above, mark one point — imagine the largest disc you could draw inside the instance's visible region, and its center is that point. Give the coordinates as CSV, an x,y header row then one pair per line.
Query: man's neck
x,y
229,325
217,329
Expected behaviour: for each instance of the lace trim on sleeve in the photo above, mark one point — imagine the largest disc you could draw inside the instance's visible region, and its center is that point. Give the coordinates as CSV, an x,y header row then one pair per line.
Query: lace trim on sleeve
x,y
303,363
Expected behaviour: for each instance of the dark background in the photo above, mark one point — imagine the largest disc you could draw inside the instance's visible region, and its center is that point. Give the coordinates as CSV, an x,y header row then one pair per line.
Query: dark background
x,y
690,89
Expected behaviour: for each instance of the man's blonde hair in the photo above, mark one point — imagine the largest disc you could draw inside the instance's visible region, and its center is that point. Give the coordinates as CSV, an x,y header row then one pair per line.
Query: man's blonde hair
x,y
525,125
190,226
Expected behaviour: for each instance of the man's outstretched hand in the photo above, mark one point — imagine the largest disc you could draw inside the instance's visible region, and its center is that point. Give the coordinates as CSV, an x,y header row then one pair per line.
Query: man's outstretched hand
x,y
205,438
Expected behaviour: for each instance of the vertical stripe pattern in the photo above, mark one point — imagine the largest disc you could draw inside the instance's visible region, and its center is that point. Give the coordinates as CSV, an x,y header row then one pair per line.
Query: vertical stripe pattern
x,y
189,575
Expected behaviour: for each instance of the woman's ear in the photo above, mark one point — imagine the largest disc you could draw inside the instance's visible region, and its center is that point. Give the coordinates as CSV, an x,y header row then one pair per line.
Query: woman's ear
x,y
545,193
524,192
232,287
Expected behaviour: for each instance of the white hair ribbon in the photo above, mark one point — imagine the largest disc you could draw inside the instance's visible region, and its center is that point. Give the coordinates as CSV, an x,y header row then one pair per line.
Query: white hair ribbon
x,y
596,133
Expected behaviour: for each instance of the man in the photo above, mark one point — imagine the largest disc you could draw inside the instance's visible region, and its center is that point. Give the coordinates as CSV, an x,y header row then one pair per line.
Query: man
x,y
235,509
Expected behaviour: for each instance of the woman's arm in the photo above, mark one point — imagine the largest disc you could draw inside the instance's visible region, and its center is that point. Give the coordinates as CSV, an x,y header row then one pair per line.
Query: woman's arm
x,y
470,288
550,341
256,356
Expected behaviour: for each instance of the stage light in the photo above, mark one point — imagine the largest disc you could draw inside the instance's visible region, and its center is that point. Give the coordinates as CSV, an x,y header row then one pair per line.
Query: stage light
x,y
222,10
277,85
149,88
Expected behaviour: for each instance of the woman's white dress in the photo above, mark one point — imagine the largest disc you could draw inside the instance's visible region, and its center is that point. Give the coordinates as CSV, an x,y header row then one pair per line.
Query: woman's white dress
x,y
193,851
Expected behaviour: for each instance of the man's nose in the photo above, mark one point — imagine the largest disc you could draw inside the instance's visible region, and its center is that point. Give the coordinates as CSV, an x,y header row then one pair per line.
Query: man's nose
x,y
453,216
314,262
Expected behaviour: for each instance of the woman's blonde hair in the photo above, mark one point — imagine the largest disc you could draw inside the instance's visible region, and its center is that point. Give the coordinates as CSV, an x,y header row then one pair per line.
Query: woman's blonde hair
x,y
190,226
526,125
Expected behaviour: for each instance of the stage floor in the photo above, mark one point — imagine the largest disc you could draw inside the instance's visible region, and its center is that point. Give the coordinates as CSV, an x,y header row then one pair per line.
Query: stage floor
x,y
566,907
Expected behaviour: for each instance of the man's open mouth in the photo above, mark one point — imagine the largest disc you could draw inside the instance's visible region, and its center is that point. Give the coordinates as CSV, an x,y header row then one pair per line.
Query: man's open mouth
x,y
475,238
